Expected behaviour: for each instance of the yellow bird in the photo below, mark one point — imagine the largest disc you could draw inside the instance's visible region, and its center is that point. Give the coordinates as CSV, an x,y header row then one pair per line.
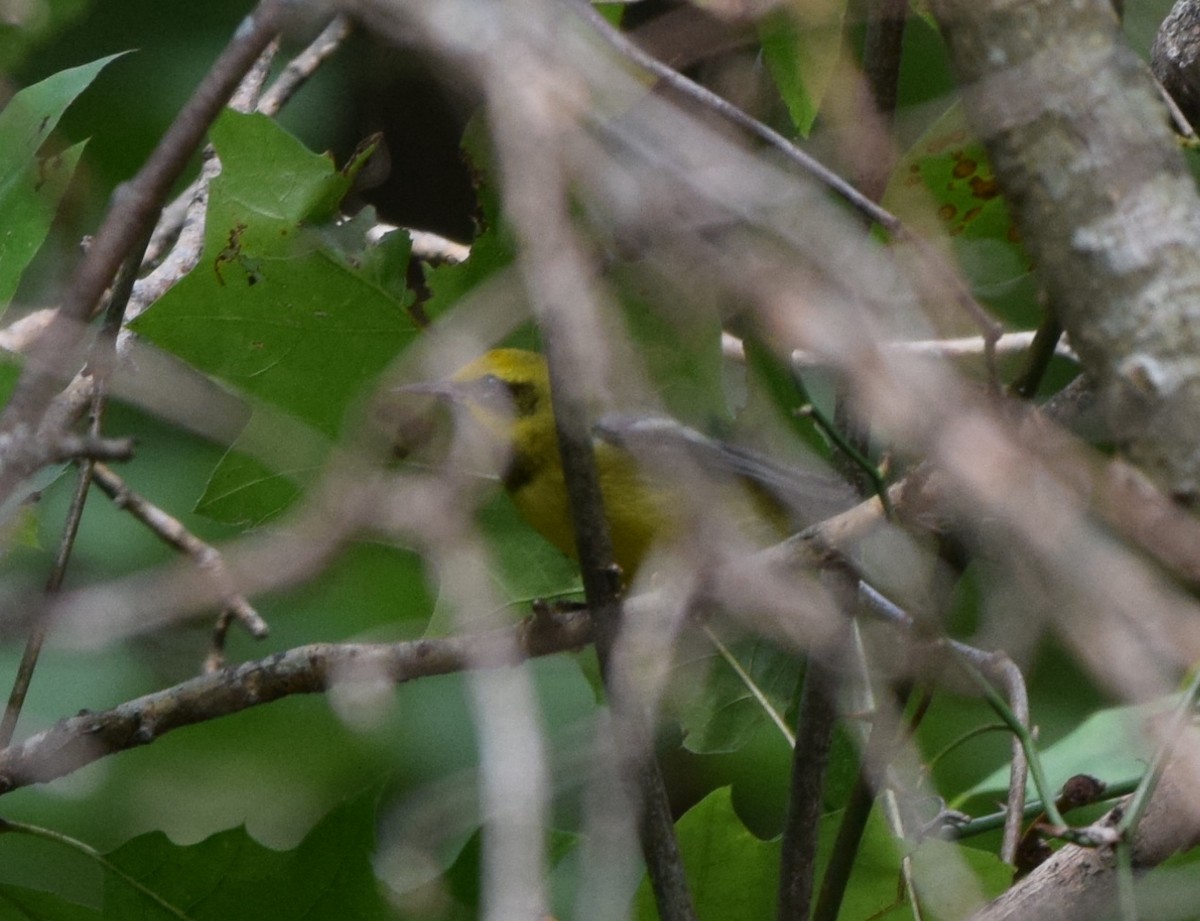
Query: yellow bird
x,y
507,391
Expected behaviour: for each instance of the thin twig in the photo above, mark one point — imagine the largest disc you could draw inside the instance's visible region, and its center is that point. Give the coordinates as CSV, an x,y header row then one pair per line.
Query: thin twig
x,y
710,100
37,630
426,246
300,68
985,824
172,532
1041,350
815,726
1014,711
100,363
952,349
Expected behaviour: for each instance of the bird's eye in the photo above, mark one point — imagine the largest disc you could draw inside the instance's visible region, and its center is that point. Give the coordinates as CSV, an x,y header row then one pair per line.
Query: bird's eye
x,y
492,389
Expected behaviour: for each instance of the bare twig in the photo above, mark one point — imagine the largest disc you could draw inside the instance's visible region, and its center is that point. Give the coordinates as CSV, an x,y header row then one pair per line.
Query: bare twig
x,y
172,532
294,75
37,632
997,667
79,740
555,274
711,101
300,68
815,724
1043,348
430,247
102,358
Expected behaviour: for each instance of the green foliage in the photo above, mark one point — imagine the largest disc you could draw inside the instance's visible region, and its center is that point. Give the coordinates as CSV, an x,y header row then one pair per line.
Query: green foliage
x,y
946,172
17,902
801,44
230,875
732,692
1111,745
274,311
734,875
293,312
33,183
269,310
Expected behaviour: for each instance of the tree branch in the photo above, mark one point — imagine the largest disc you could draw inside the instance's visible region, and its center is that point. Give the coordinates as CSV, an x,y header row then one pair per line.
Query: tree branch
x,y
79,740
1104,202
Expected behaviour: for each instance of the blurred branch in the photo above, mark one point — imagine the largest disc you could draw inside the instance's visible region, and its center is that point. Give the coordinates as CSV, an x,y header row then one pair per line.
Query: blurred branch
x,y
816,722
555,272
731,113
79,740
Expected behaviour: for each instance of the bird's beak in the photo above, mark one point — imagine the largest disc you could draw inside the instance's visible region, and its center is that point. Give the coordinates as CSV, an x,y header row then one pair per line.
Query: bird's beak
x,y
445,390
410,412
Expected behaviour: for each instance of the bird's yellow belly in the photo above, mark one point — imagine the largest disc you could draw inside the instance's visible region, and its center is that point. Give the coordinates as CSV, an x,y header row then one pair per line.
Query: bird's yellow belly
x,y
637,513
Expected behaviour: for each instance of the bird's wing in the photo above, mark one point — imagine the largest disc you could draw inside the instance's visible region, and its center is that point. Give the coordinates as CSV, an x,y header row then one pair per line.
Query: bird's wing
x,y
807,496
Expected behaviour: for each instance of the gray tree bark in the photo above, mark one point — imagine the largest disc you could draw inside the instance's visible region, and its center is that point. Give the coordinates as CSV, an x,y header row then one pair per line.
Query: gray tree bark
x,y
1102,197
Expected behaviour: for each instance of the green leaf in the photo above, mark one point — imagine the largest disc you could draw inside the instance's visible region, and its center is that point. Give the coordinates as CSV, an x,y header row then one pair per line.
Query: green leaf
x,y
267,469
525,566
801,45
873,890
733,875
32,186
678,339
269,309
31,905
1110,745
243,491
287,310
231,876
948,170
735,691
